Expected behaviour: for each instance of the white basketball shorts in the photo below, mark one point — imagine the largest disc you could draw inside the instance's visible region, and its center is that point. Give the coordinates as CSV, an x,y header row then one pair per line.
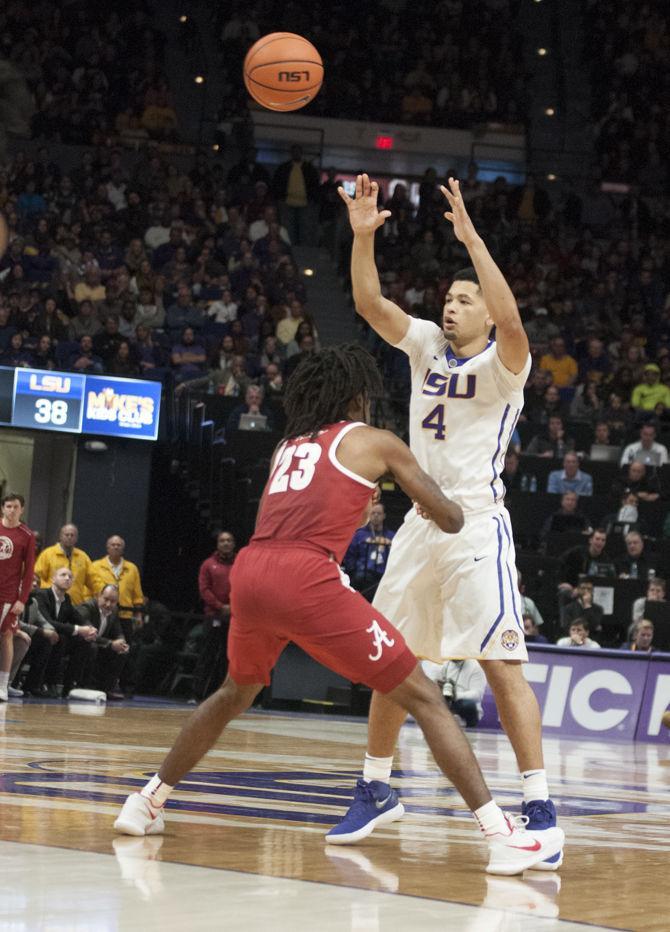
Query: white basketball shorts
x,y
455,596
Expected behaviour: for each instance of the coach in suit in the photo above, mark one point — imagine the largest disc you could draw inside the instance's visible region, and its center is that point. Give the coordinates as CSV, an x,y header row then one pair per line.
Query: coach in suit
x,y
110,648
74,644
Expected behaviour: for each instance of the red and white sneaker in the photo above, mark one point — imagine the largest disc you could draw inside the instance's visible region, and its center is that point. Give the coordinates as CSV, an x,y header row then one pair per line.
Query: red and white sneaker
x,y
516,851
139,817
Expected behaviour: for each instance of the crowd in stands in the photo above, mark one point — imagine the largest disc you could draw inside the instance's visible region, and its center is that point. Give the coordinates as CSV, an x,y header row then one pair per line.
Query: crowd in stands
x,y
629,90
150,271
94,72
453,63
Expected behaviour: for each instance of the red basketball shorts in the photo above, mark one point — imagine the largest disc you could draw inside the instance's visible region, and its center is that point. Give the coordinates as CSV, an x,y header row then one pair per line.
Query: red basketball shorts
x,y
8,622
281,594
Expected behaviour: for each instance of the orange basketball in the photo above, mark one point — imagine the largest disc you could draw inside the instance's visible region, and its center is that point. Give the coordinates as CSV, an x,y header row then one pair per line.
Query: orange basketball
x,y
283,71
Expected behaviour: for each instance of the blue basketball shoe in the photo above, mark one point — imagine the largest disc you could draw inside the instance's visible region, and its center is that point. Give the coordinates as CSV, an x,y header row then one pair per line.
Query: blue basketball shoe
x,y
541,815
375,803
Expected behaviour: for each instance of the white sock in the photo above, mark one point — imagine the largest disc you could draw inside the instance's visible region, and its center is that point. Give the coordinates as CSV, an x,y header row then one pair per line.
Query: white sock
x,y
534,785
491,819
4,680
156,791
377,768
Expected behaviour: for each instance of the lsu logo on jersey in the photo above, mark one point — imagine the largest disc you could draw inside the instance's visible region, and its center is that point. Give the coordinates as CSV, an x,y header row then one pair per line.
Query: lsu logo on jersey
x,y
453,385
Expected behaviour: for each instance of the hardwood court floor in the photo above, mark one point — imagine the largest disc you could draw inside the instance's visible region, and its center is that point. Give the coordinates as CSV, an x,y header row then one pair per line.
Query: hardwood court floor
x,y
244,847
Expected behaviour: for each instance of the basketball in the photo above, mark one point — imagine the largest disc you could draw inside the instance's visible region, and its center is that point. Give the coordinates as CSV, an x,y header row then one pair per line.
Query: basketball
x,y
283,71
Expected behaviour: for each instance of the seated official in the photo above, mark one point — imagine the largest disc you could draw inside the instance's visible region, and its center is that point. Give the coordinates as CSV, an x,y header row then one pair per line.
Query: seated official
x,y
532,632
70,655
642,637
463,684
115,569
253,404
110,648
578,636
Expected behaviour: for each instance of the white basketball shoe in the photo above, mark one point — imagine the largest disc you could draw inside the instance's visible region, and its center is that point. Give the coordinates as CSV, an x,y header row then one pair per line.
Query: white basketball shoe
x,y
518,850
139,817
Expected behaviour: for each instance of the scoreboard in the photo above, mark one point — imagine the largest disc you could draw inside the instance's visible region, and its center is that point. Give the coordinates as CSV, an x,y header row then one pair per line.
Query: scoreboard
x,y
79,404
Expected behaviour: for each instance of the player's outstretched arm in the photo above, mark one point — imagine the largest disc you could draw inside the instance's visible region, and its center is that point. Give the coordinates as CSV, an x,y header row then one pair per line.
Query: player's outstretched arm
x,y
389,320
511,339
372,453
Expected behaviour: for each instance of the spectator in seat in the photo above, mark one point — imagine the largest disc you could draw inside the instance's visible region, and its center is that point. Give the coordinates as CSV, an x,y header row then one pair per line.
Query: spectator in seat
x,y
183,313
16,355
528,606
651,391
65,553
566,518
109,649
114,569
463,685
83,359
188,357
602,434
253,404
124,362
645,450
640,481
287,327
636,564
214,588
306,347
540,329
570,478
84,323
562,366
367,554
532,632
642,637
296,187
578,636
552,444
626,518
272,381
655,593
55,608
589,559
581,606
91,288
106,341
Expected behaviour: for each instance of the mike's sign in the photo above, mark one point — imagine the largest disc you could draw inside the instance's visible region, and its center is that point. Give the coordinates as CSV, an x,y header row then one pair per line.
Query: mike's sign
x,y
601,693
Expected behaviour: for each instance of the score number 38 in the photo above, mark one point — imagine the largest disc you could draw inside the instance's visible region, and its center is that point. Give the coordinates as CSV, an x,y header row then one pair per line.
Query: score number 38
x,y
51,412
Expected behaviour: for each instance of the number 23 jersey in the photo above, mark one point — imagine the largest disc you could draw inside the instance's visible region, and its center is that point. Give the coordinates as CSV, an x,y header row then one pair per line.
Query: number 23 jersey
x,y
462,414
310,497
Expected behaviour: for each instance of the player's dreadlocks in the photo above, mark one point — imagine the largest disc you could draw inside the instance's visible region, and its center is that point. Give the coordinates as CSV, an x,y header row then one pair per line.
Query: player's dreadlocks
x,y
324,384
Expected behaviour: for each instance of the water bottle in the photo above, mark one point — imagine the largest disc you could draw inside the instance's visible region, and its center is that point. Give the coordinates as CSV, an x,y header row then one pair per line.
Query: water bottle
x,y
533,484
524,483
633,571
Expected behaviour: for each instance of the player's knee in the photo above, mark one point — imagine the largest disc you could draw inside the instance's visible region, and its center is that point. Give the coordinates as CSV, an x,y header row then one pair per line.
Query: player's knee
x,y
504,674
239,696
418,694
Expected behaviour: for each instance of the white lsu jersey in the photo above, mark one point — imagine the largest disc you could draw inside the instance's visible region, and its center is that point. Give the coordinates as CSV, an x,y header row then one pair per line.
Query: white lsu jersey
x,y
462,415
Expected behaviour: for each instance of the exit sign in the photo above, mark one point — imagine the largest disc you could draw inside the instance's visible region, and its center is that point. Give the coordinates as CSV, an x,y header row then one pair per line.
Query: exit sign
x,y
383,142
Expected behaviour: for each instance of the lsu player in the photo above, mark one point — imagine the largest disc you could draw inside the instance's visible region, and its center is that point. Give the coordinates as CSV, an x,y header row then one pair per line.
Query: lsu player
x,y
453,597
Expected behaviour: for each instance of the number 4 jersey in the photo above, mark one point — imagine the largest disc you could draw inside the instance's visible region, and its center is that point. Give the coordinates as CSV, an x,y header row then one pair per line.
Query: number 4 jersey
x,y
463,412
310,497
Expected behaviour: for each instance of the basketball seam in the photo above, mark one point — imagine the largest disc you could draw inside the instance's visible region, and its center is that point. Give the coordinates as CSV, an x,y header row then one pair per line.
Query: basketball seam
x,y
278,38
284,90
288,61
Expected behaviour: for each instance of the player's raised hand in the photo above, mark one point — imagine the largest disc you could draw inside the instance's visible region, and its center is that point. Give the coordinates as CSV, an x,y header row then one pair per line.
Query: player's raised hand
x,y
464,228
364,215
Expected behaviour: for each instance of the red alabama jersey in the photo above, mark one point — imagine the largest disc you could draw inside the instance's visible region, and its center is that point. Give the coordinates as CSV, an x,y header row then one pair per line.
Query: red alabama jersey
x,y
310,497
17,562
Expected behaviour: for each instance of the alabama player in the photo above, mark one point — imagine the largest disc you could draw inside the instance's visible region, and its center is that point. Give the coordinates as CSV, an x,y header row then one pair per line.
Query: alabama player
x,y
455,598
287,586
17,561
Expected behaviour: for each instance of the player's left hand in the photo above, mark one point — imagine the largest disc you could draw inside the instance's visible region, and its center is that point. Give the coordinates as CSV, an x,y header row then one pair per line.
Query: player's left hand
x,y
464,228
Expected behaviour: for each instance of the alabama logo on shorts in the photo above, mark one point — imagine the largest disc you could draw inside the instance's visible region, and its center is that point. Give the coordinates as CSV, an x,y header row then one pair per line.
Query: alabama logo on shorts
x,y
6,548
509,639
379,639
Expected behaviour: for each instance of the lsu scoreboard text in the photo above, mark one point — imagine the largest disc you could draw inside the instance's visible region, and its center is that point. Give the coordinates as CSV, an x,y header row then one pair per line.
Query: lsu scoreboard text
x,y
80,404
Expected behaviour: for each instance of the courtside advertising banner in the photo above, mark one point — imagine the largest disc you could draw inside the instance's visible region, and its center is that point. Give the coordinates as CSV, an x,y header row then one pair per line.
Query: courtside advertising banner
x,y
121,407
596,693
